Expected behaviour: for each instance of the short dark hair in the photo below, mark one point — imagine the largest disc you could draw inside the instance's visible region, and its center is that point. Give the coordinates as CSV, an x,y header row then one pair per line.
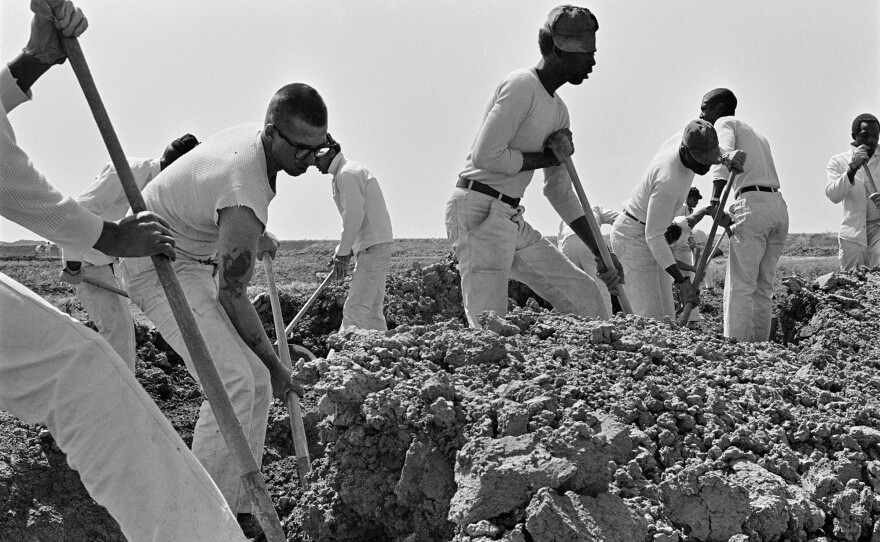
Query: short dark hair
x,y
694,192
178,148
545,42
722,95
297,100
672,233
864,117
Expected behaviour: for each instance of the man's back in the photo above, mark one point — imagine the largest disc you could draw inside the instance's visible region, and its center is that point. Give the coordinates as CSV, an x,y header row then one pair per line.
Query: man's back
x,y
227,170
759,168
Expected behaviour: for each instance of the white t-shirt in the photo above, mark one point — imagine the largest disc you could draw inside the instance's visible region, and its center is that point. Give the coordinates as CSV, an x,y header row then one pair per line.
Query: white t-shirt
x,y
227,170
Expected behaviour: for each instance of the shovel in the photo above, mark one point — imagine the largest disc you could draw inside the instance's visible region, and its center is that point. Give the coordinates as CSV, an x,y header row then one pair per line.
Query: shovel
x,y
300,445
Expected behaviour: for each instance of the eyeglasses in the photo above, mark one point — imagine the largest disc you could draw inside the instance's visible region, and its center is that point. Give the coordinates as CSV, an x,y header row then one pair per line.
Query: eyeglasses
x,y
301,152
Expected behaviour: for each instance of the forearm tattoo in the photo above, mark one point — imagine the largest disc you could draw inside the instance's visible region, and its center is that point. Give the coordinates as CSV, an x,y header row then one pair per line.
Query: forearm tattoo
x,y
235,271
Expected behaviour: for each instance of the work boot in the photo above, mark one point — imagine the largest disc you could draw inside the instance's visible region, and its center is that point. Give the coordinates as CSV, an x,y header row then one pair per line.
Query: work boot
x,y
250,526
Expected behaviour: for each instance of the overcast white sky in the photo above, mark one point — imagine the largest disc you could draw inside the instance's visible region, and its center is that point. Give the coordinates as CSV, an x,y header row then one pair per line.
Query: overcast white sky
x,y
406,82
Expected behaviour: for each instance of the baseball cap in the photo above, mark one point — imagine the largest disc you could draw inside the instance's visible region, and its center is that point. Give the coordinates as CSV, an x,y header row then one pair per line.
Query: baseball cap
x,y
571,28
694,192
701,141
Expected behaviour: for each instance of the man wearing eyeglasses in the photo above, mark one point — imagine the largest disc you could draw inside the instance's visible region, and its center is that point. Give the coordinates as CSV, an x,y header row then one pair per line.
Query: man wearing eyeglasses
x,y
525,127
216,200
366,233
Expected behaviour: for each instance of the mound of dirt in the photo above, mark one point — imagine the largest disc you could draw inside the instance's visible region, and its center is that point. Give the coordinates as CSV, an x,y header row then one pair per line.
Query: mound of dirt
x,y
542,426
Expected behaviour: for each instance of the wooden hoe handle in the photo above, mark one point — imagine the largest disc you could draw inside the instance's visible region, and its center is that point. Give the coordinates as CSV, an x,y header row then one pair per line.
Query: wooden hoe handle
x,y
594,229
300,444
309,303
706,255
195,343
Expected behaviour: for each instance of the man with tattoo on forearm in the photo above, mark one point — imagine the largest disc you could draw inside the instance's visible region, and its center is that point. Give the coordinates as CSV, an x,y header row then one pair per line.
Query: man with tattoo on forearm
x,y
216,201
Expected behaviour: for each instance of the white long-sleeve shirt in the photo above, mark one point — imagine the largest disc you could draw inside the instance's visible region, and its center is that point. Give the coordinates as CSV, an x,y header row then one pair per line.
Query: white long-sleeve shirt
x,y
659,196
602,216
106,198
857,208
519,118
759,169
365,218
27,198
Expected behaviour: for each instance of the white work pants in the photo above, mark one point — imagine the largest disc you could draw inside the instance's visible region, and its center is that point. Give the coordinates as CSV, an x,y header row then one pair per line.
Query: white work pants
x,y
580,255
55,371
493,242
851,255
761,220
244,376
366,294
108,311
648,286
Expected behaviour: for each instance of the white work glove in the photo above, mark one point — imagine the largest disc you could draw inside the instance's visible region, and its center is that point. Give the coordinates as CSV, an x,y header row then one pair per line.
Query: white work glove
x,y
339,266
50,17
859,158
70,276
267,243
560,144
734,160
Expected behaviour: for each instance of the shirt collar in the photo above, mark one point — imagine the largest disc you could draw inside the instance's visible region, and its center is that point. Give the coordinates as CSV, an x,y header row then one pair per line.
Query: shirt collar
x,y
335,164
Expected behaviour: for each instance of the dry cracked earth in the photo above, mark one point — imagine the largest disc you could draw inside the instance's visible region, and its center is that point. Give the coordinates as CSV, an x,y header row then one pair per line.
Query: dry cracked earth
x,y
539,426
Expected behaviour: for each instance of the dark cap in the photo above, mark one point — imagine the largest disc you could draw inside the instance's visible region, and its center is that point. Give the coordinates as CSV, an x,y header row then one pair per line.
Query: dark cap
x,y
701,141
694,193
864,117
572,28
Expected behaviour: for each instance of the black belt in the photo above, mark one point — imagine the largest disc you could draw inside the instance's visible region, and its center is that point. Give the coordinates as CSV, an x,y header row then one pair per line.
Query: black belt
x,y
477,186
755,188
627,213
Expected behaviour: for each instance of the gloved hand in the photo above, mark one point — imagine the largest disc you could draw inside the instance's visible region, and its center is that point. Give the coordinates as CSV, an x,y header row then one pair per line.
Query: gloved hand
x,y
267,243
734,160
49,15
859,158
339,266
560,145
70,276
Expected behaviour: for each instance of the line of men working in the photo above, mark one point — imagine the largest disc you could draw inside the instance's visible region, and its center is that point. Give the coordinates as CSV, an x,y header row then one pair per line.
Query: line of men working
x,y
526,127
215,201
